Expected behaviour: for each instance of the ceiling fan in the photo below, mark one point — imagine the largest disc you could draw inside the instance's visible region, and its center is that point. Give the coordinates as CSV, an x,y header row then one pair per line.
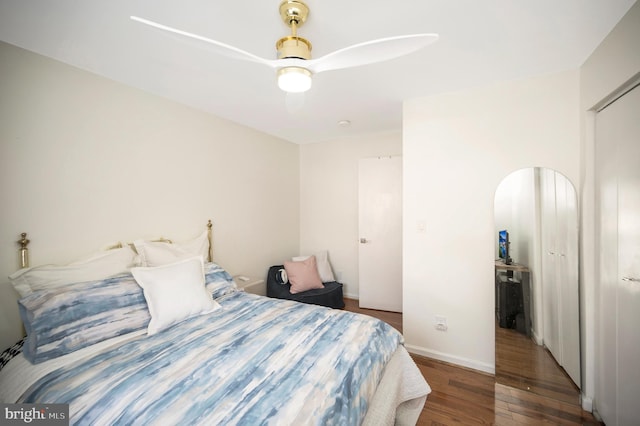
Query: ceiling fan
x,y
294,66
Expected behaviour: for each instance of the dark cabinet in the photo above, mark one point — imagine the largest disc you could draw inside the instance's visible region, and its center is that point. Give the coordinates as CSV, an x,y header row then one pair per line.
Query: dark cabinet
x,y
510,303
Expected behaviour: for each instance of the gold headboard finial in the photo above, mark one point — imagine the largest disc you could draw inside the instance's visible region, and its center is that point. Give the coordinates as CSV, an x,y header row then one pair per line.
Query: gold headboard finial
x,y
24,251
209,236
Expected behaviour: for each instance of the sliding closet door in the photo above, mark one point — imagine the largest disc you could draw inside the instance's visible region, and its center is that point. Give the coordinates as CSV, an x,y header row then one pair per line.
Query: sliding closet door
x,y
629,258
559,225
607,242
617,156
567,275
550,288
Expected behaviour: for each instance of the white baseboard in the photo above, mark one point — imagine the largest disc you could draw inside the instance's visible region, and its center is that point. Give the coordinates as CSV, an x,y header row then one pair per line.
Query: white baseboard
x,y
587,403
352,296
536,338
465,362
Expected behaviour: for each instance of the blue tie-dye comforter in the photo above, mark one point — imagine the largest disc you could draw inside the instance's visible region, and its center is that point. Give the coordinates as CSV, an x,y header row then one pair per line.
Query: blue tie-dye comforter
x,y
256,361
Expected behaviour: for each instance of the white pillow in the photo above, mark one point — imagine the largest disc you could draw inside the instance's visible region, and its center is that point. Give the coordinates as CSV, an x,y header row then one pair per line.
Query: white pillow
x,y
154,253
96,266
174,292
324,267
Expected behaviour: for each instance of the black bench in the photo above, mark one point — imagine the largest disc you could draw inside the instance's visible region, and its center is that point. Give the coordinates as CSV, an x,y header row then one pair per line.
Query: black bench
x,y
329,296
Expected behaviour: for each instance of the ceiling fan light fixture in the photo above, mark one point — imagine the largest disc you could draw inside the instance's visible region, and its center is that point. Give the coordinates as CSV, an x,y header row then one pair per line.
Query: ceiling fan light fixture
x,y
294,79
294,66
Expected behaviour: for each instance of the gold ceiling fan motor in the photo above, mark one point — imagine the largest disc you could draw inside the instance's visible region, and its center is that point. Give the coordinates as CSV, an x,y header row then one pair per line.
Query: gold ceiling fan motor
x,y
294,13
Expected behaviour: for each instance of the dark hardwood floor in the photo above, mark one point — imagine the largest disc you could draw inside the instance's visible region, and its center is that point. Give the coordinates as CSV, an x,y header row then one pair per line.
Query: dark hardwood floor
x,y
394,319
522,364
461,396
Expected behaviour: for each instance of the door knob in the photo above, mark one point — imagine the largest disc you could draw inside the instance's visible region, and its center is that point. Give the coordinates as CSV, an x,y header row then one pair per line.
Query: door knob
x,y
363,241
635,280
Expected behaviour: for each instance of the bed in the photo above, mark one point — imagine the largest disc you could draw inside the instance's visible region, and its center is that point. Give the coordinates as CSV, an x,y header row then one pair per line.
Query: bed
x,y
114,350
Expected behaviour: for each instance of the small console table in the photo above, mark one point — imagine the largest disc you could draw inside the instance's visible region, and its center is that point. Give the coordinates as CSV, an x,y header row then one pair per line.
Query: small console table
x,y
513,296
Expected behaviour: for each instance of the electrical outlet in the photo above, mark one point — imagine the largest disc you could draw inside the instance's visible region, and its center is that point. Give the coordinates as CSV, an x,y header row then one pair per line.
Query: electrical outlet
x,y
441,323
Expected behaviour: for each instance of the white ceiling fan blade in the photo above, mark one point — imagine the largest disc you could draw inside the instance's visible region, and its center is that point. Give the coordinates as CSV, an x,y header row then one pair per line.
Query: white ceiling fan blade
x,y
215,46
369,52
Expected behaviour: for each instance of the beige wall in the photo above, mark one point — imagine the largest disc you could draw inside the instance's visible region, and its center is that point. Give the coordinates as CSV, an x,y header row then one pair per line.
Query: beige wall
x,y
86,162
457,148
329,199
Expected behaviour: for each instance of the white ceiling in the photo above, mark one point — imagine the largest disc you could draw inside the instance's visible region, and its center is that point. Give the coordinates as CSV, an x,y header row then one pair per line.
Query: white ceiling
x,y
481,42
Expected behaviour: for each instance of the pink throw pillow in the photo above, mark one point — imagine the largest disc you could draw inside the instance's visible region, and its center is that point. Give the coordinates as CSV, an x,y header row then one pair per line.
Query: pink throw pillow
x,y
303,275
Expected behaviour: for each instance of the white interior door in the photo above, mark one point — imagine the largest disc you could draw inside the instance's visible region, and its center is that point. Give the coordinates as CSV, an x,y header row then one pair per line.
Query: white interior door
x,y
380,227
